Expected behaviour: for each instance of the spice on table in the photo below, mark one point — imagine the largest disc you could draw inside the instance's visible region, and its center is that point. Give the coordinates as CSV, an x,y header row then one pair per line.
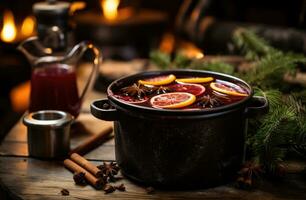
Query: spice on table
x,y
109,189
109,169
65,192
86,165
248,174
79,178
120,187
97,183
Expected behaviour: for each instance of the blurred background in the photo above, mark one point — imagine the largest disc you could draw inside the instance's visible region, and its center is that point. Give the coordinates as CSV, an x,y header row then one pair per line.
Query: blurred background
x,y
126,30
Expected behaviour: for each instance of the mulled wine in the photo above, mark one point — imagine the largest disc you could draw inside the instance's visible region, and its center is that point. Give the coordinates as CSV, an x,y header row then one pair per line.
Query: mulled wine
x,y
54,87
178,92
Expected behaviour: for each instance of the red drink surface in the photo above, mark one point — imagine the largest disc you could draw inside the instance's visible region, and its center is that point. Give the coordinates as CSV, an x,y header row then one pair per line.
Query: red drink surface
x,y
206,96
54,86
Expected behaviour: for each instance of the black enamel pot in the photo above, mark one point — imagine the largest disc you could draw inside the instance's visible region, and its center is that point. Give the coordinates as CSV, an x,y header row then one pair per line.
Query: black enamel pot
x,y
179,148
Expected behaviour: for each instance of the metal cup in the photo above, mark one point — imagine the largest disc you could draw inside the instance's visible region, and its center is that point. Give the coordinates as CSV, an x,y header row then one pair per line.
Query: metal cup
x,y
48,133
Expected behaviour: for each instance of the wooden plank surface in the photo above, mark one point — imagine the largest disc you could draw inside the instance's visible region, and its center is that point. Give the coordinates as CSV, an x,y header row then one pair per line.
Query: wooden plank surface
x,y
29,178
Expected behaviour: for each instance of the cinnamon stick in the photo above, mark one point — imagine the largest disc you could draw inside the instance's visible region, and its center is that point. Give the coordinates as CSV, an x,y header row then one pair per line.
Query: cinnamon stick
x,y
74,167
94,141
86,164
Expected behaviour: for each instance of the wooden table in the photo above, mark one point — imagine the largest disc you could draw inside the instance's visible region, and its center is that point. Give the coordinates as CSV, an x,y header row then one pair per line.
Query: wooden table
x,y
23,177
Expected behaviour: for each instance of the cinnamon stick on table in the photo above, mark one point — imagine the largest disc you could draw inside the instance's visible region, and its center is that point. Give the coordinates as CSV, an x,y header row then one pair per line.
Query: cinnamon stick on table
x,y
86,165
93,141
97,183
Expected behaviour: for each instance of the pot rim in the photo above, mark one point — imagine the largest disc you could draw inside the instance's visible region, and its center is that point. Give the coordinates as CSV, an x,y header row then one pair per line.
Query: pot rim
x,y
124,79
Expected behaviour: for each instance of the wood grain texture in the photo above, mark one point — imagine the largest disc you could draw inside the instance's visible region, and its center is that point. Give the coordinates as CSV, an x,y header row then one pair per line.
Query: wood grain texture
x,y
29,178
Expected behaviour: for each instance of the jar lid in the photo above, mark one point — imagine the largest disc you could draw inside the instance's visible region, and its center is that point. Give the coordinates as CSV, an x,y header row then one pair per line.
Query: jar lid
x,y
51,7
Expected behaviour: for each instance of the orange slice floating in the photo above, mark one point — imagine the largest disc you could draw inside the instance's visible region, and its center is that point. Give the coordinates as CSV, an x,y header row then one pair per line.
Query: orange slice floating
x,y
159,80
195,89
195,80
228,88
173,100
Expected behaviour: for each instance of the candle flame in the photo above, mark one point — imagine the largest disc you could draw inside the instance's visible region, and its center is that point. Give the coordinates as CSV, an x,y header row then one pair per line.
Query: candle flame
x,y
110,8
27,27
8,33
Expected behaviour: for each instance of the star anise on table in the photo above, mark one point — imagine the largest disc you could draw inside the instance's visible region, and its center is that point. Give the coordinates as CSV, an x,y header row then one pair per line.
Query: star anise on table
x,y
120,187
109,189
65,192
79,178
110,170
248,173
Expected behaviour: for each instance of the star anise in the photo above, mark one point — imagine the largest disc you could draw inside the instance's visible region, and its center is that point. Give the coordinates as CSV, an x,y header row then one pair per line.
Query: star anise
x,y
65,192
163,90
79,178
109,169
209,101
135,90
120,187
248,173
109,189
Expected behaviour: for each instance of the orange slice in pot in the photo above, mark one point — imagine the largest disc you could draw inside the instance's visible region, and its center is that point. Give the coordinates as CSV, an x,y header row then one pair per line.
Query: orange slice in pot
x,y
159,80
195,80
173,100
195,89
228,88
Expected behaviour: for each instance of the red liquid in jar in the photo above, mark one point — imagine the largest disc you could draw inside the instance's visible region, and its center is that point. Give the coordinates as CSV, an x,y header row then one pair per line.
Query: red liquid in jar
x,y
54,87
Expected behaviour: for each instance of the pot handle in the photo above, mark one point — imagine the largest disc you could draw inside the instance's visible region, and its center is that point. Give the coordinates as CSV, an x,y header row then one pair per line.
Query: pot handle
x,y
102,109
257,106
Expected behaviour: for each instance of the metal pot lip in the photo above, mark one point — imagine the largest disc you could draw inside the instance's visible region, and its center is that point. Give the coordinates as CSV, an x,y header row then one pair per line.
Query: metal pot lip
x,y
48,119
135,107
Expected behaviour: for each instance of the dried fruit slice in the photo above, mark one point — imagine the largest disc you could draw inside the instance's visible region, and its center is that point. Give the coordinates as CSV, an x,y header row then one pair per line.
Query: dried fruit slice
x,y
130,99
228,88
173,100
195,80
194,89
159,80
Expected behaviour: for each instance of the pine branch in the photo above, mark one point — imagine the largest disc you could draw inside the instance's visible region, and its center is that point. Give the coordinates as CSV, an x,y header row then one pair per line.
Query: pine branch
x,y
278,131
162,60
250,45
180,61
269,71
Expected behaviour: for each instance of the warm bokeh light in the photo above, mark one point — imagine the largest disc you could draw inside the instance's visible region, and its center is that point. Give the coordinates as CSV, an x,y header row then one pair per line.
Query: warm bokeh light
x,y
28,26
190,50
9,32
167,43
75,6
110,8
20,96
